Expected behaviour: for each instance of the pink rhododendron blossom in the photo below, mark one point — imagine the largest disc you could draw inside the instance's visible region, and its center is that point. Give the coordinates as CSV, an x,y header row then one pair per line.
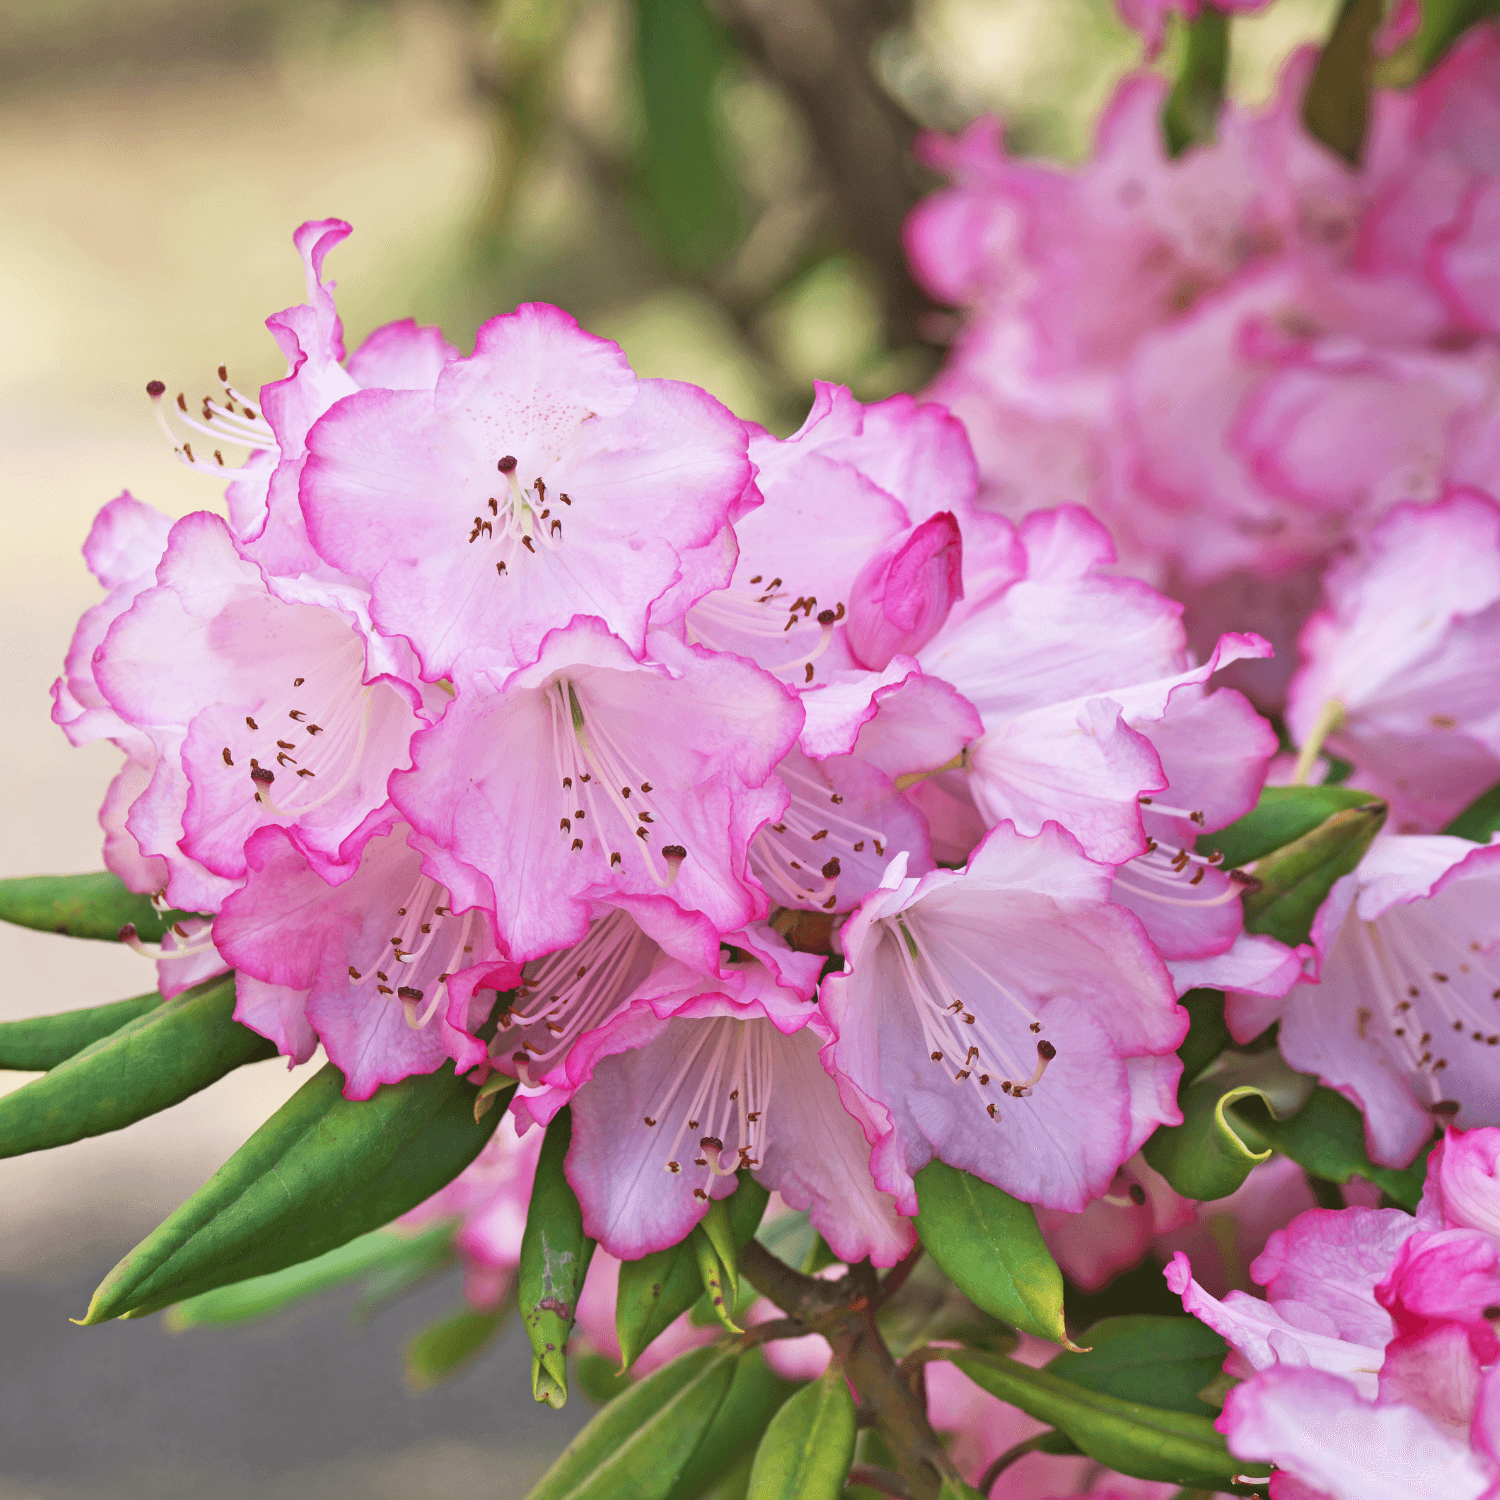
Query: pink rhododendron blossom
x,y
362,965
489,1199
1400,1012
1007,1019
1462,1190
539,480
699,1078
591,773
903,594
123,548
863,736
853,483
289,712
1406,646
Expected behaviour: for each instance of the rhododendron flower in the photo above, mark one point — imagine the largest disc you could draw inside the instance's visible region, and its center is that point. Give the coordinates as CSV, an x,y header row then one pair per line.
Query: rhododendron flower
x,y
363,965
1006,1019
123,547
865,734
1073,673
854,482
903,594
489,1199
289,712
1401,660
590,773
699,1078
1400,1012
539,480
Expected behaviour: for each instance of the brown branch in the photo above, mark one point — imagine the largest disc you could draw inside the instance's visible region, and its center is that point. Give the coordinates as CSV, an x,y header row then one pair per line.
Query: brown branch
x,y
879,1479
896,1278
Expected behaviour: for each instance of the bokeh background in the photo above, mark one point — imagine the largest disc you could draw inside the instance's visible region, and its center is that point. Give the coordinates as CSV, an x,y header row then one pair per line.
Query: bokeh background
x,y
719,188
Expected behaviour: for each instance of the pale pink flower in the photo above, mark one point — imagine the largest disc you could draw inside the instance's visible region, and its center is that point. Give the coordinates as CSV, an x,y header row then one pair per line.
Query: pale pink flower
x,y
363,965
698,1078
1462,1190
592,774
852,484
903,594
538,481
286,713
124,545
1006,1019
1400,1011
1407,646
489,1199
845,819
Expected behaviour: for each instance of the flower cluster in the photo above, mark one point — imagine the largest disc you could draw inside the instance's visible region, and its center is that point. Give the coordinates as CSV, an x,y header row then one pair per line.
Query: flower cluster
x,y
1371,1366
529,714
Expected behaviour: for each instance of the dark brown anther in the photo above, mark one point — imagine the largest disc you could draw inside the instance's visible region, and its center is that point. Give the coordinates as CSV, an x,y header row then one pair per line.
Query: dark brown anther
x,y
832,870
297,714
826,617
228,759
1036,1026
285,745
526,542
989,1109
407,992
500,569
1045,1050
181,402
251,722
223,373
809,676
564,499
315,729
674,851
507,465
263,776
354,973
305,772
188,449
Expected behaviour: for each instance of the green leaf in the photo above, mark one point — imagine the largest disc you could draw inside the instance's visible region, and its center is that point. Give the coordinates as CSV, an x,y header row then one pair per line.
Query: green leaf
x,y
718,1230
1295,880
809,1445
597,1378
1283,815
445,1347
42,1042
680,54
1442,23
755,1395
1163,1362
1134,1438
1481,817
381,1250
1326,1137
86,906
657,1289
1336,106
956,1489
1192,111
715,1280
555,1255
1208,1034
638,1445
321,1171
990,1247
168,1052
1204,1158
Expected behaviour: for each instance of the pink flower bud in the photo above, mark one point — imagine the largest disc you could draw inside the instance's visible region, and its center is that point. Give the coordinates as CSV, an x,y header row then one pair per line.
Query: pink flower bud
x,y
903,594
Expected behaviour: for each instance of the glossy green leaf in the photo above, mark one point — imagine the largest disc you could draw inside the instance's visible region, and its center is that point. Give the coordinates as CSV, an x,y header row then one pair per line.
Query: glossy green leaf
x,y
1208,1033
956,1489
382,1250
42,1042
555,1255
86,906
1479,819
991,1248
596,1376
718,1230
680,54
755,1395
1283,815
809,1444
1442,23
657,1289
321,1171
1135,1438
445,1347
1162,1362
1295,880
1326,1137
1192,111
715,1279
638,1445
168,1052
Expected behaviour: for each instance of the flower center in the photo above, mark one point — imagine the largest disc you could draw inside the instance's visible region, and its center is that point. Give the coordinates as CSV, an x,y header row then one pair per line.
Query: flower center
x,y
1433,989
230,421
955,1035
714,1112
521,522
427,946
568,993
744,621
799,860
604,795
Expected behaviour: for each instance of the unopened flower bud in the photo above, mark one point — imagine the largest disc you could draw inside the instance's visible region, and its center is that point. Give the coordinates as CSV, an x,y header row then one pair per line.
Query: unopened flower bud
x,y
903,594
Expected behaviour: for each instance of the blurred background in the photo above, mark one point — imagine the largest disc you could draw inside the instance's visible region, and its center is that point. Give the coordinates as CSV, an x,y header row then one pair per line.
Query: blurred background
x,y
719,187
